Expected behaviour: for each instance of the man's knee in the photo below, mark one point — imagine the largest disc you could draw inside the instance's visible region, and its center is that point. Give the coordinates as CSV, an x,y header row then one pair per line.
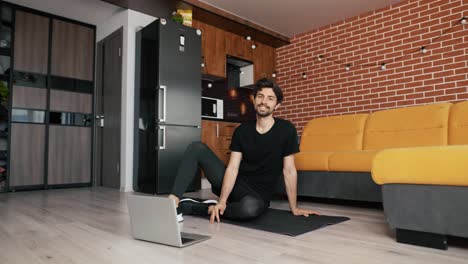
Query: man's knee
x,y
251,207
197,146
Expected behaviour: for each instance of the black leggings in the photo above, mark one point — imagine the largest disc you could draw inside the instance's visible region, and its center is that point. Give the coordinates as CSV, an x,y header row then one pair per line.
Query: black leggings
x,y
243,203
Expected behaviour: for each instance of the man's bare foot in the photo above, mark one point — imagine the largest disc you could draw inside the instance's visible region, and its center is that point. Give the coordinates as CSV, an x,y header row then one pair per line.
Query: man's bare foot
x,y
175,198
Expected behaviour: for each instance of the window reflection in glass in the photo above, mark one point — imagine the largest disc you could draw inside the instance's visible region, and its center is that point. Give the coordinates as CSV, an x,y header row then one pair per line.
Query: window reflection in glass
x,y
27,116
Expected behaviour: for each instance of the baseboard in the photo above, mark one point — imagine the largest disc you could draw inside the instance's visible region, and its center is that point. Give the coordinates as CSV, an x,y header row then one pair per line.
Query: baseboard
x,y
126,189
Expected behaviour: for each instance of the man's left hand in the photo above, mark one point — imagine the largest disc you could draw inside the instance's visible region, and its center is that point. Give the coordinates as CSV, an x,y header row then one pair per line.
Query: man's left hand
x,y
303,212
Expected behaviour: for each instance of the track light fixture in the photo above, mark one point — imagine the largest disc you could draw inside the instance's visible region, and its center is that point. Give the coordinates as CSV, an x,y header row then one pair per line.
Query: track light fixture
x,y
423,49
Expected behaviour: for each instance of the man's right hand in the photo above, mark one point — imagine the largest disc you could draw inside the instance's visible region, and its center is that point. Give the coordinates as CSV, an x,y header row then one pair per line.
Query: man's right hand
x,y
216,211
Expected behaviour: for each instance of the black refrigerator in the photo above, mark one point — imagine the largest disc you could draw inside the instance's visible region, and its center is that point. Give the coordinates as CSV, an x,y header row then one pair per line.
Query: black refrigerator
x,y
167,103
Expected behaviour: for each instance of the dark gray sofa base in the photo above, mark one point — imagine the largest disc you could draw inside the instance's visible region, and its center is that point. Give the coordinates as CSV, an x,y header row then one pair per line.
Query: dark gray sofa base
x,y
357,186
433,209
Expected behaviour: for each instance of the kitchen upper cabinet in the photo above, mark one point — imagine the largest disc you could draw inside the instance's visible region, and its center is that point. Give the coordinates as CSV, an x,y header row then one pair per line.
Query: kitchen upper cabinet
x,y
238,46
213,49
264,61
72,50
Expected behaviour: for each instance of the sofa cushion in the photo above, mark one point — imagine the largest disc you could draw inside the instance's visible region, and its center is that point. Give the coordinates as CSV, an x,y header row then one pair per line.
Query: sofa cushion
x,y
334,133
437,165
458,124
312,161
408,127
356,161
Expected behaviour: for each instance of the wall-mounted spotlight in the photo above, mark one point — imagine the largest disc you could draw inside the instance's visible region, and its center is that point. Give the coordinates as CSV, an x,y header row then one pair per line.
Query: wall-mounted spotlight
x,y
348,67
383,66
423,49
304,75
463,21
320,57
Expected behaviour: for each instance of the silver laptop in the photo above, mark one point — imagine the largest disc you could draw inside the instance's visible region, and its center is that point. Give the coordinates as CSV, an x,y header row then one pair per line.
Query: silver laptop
x,y
155,219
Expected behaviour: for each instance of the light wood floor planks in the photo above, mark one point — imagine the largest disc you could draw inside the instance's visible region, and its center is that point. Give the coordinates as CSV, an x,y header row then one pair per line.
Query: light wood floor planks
x,y
91,225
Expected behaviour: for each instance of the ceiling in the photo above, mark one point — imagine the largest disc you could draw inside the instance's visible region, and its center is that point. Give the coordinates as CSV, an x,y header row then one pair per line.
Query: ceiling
x,y
292,17
88,11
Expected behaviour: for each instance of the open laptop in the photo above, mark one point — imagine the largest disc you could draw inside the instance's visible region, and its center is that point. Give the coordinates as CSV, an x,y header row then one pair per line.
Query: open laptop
x,y
155,219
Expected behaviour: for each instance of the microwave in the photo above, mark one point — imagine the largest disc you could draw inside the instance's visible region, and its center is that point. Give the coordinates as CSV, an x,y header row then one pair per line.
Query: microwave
x,y
212,108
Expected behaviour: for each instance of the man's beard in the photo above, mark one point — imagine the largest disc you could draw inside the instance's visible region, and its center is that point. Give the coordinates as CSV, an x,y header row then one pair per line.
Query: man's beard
x,y
268,112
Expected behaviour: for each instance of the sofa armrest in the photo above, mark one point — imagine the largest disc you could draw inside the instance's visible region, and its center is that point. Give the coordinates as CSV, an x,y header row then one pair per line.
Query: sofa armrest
x,y
438,165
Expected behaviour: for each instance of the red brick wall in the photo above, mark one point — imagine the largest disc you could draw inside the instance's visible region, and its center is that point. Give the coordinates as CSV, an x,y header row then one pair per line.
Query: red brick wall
x,y
385,35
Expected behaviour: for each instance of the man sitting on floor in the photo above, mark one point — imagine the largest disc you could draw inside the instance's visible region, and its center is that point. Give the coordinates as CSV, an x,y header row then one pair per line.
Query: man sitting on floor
x,y
262,150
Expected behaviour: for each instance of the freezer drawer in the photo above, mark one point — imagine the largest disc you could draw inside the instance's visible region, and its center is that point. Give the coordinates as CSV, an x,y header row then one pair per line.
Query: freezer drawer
x,y
159,157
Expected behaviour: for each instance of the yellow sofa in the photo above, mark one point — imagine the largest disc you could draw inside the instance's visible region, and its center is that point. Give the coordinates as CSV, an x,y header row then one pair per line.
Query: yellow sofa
x,y
418,154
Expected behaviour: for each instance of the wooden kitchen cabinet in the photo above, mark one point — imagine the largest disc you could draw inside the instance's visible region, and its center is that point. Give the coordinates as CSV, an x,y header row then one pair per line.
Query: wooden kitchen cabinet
x,y
238,46
264,61
217,136
213,49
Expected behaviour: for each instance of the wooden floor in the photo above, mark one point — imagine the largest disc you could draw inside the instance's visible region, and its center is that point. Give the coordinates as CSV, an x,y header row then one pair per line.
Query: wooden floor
x,y
91,225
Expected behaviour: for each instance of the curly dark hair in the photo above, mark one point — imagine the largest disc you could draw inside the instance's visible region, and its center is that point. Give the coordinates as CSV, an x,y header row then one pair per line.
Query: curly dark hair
x,y
267,83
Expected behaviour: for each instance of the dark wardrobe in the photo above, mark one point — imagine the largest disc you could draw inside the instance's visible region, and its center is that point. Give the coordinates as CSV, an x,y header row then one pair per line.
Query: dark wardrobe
x,y
50,81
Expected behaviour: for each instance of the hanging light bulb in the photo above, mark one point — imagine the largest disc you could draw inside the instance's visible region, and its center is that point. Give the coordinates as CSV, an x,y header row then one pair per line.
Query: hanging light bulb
x,y
210,85
273,74
348,67
383,67
304,75
254,46
248,38
423,49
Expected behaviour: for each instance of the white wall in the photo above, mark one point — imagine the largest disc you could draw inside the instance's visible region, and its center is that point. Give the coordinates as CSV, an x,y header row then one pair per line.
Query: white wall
x,y
135,20
130,21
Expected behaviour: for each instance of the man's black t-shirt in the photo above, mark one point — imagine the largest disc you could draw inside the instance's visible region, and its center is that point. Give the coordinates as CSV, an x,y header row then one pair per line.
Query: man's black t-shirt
x,y
262,154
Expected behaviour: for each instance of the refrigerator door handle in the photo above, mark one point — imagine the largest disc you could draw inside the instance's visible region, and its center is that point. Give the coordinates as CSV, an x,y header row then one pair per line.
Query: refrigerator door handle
x,y
163,109
163,130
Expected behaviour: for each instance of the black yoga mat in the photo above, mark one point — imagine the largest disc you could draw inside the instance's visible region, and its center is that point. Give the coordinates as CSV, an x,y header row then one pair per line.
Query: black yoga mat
x,y
283,222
